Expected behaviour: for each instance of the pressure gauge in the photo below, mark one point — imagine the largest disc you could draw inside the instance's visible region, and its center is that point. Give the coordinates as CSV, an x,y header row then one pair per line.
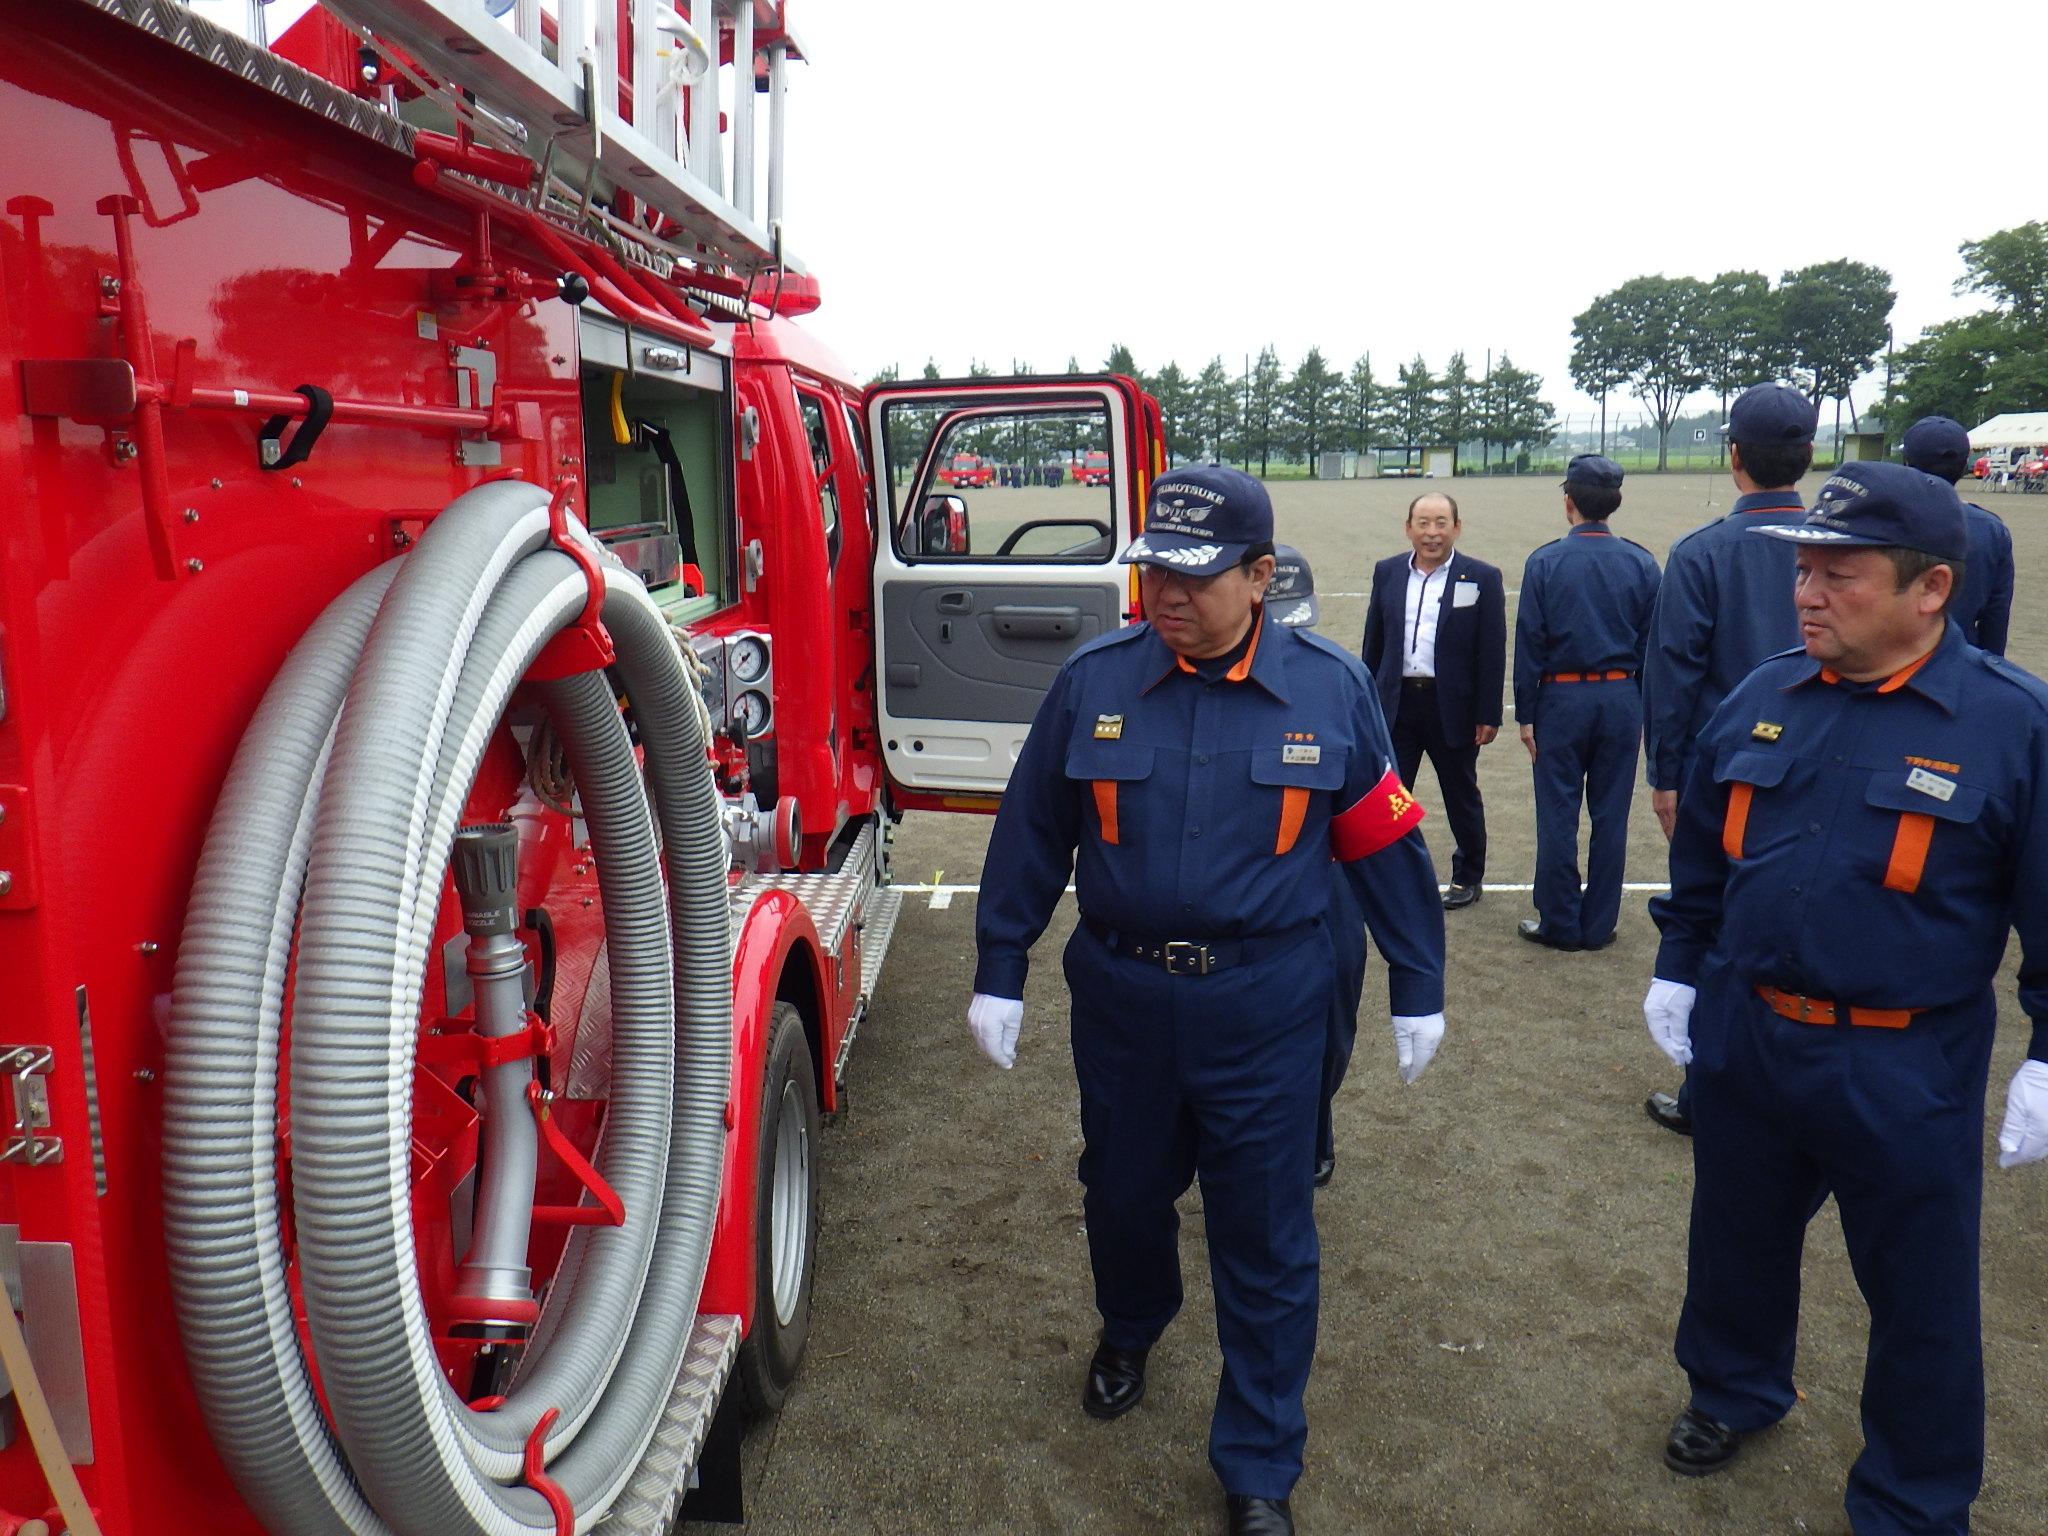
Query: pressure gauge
x,y
748,659
750,709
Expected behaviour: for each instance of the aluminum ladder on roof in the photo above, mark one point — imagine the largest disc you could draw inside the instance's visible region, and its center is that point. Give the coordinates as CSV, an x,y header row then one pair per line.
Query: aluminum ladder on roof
x,y
571,98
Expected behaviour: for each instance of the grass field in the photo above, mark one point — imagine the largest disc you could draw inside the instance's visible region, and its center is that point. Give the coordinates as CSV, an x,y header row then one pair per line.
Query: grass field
x,y
1503,1247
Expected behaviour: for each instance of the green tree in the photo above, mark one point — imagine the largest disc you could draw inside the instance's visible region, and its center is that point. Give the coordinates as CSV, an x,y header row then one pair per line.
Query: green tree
x,y
1596,365
1361,401
1457,394
1744,341
1180,405
1512,411
1262,409
1313,406
1649,328
2012,267
1217,394
1837,318
931,369
1121,361
1414,403
1989,362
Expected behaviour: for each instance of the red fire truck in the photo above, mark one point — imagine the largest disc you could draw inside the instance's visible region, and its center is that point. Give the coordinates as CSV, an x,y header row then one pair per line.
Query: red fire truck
x,y
463,646
964,471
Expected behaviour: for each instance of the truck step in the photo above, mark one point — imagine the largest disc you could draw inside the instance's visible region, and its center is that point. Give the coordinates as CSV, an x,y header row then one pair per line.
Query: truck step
x,y
663,1476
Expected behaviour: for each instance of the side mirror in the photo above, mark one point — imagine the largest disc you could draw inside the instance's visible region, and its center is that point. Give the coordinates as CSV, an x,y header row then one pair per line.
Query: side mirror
x,y
943,525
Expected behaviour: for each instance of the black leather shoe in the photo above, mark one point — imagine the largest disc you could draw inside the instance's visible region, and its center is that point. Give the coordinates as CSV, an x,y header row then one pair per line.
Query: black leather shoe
x,y
1531,928
1700,1445
1258,1517
1663,1108
1326,1169
1458,897
1116,1381
1597,943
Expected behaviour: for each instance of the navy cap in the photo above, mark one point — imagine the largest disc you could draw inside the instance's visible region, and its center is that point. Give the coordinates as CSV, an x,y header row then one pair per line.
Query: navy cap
x,y
1771,416
1291,596
1939,446
1594,469
1871,503
1201,519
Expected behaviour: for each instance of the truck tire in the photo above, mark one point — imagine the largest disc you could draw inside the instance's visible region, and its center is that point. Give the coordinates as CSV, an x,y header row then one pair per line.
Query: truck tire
x,y
785,1218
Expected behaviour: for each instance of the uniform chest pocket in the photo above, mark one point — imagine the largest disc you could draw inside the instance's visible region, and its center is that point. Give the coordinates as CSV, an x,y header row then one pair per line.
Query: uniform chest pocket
x,y
1297,771
1111,769
1745,773
1918,812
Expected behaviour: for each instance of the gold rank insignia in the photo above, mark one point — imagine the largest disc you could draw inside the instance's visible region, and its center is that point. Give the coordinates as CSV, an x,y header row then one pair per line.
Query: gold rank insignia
x,y
1109,727
1766,730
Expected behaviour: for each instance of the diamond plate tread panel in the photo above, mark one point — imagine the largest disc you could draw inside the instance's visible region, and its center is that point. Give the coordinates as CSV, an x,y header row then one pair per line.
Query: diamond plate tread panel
x,y
184,28
879,927
831,900
659,1482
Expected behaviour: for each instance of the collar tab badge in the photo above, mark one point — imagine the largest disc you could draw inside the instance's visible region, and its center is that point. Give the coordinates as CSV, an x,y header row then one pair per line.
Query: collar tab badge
x,y
1109,727
1766,730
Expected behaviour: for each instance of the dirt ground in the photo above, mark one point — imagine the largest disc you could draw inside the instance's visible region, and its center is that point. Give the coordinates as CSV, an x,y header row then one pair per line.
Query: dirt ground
x,y
1503,1246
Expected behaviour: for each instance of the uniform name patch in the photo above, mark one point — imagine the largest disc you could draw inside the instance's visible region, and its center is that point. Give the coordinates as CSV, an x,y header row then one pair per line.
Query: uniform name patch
x,y
1766,730
1109,727
1931,784
1300,754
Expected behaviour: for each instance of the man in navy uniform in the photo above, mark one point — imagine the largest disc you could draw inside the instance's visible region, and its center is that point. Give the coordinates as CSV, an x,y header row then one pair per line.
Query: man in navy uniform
x,y
1291,599
1725,604
1983,609
1862,821
1436,642
1580,633
1208,765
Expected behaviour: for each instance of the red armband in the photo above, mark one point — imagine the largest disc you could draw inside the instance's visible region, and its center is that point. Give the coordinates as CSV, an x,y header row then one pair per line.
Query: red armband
x,y
1386,814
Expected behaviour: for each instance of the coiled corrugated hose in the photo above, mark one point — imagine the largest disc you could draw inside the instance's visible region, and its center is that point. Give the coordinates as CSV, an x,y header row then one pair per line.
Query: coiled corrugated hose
x,y
337,819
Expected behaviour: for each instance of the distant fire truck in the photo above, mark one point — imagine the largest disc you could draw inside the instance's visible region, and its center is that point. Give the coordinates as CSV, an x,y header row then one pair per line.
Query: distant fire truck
x,y
463,647
966,472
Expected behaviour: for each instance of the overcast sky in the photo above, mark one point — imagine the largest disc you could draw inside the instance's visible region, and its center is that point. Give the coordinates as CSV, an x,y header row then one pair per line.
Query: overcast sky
x,y
973,179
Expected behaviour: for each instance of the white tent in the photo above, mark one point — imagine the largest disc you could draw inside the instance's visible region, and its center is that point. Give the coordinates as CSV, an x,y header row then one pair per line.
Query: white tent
x,y
2013,429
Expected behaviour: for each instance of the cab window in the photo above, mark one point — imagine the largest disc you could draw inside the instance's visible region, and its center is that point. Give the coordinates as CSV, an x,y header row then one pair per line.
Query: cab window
x,y
820,436
994,483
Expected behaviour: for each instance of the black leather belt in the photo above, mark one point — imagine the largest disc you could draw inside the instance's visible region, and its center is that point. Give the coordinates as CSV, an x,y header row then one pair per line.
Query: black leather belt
x,y
1418,682
1190,957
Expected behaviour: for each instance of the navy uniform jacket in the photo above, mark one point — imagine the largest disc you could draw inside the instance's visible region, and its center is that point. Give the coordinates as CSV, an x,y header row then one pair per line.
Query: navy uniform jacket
x,y
1869,844
1725,605
1983,608
1471,641
1206,811
1585,607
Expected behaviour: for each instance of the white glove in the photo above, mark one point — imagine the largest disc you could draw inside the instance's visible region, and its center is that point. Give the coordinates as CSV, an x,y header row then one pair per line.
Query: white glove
x,y
2024,1136
994,1022
1416,1037
1668,1011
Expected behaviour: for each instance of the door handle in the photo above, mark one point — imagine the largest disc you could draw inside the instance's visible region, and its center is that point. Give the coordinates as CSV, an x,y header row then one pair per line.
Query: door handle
x,y
956,602
1017,621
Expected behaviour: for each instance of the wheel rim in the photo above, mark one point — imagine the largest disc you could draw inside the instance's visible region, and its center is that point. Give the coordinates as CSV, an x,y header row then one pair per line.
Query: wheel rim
x,y
789,1210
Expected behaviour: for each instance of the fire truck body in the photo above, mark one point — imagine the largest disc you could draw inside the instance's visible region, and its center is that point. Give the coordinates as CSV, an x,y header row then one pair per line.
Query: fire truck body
x,y
273,348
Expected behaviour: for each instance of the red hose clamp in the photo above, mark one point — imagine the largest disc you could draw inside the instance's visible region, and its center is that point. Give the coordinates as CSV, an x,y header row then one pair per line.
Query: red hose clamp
x,y
536,1473
586,645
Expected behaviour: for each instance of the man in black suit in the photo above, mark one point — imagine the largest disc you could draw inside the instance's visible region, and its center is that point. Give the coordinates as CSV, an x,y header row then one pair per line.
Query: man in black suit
x,y
1436,641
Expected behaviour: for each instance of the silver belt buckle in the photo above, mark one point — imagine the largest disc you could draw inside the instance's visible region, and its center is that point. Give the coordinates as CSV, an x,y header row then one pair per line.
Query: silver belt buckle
x,y
1186,959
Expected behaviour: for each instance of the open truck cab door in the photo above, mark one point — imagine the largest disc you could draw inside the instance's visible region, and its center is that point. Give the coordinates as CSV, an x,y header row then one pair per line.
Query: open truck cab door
x,y
982,591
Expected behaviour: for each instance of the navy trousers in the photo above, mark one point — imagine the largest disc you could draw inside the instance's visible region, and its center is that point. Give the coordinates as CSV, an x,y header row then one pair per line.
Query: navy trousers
x,y
1417,730
1891,1123
1347,943
1215,1077
1587,742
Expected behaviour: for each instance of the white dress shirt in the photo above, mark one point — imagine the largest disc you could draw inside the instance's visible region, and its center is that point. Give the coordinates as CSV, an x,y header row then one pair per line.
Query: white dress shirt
x,y
1418,631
